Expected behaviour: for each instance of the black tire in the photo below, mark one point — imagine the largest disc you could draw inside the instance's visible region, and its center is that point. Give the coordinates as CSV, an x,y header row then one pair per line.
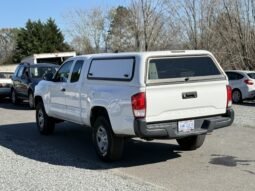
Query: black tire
x,y
31,101
237,96
111,149
14,98
191,143
45,124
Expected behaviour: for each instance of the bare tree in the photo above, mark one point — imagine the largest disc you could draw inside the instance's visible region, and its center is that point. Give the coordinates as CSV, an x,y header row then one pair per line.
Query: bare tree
x,y
96,27
236,29
195,18
88,27
7,44
147,23
82,45
224,27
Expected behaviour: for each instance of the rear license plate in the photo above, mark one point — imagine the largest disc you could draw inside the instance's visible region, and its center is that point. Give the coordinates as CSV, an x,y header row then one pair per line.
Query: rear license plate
x,y
186,126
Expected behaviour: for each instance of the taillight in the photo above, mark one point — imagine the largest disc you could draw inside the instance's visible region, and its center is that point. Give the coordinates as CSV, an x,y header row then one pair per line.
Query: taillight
x,y
248,82
139,105
229,96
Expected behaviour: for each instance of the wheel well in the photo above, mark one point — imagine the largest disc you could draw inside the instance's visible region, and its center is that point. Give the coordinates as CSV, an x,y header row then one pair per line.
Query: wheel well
x,y
236,89
98,111
30,90
38,99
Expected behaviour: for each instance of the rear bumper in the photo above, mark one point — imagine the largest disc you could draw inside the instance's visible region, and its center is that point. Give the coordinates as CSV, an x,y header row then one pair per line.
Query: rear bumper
x,y
169,130
250,95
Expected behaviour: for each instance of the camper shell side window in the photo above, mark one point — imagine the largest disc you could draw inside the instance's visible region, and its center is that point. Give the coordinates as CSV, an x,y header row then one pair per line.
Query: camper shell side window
x,y
113,69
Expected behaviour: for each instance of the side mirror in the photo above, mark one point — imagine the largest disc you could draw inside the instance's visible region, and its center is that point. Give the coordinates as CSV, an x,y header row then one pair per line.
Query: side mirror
x,y
48,76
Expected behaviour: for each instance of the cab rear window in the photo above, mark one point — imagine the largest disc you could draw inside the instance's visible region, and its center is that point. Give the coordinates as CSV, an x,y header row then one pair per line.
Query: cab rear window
x,y
185,68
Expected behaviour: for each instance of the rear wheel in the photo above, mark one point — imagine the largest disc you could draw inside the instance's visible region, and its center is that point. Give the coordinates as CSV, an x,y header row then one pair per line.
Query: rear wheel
x,y
107,145
237,96
45,124
191,143
31,101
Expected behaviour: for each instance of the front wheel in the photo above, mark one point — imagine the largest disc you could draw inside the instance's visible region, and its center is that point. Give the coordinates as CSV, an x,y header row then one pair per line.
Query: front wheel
x,y
107,145
191,143
31,101
45,124
14,97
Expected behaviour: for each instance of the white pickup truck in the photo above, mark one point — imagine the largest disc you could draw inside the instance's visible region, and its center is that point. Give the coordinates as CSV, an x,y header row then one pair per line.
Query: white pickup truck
x,y
179,95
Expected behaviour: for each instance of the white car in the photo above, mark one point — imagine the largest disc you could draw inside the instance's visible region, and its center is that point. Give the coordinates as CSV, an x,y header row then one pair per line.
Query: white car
x,y
242,84
5,84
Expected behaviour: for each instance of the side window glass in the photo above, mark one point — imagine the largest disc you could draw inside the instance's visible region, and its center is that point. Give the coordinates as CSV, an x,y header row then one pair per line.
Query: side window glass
x,y
20,72
234,76
239,76
17,71
77,71
63,73
26,72
230,75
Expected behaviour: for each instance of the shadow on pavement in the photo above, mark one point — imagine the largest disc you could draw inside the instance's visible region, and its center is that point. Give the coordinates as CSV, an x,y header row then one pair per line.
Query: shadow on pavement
x,y
229,161
6,104
71,145
247,103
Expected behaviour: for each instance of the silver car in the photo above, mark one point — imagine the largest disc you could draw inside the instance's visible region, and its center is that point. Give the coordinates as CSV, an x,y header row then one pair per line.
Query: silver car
x,y
5,84
242,83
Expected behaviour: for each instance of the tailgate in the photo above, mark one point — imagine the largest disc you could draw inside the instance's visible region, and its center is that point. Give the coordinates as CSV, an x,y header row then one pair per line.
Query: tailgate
x,y
183,101
184,87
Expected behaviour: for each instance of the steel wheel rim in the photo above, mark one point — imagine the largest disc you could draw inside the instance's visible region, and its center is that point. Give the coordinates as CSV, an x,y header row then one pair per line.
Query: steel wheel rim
x,y
40,117
236,96
102,140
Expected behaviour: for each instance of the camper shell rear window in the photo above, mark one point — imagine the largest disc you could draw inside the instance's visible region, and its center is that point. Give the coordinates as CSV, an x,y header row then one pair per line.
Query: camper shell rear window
x,y
180,69
115,69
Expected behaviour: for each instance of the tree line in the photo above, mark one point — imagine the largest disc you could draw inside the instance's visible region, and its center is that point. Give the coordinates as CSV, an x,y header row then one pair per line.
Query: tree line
x,y
35,37
224,27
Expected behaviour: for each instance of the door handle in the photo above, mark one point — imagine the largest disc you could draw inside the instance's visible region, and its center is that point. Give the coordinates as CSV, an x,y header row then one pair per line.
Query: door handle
x,y
63,89
189,95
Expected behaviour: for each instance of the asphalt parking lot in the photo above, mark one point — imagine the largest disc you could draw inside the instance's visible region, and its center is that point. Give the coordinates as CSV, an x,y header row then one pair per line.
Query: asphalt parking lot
x,y
67,160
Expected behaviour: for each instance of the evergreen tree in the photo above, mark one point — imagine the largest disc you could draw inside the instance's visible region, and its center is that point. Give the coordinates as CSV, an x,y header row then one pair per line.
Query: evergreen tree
x,y
38,37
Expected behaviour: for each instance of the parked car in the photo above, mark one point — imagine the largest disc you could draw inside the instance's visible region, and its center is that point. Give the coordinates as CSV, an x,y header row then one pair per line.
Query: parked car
x,y
26,77
5,84
179,95
242,84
